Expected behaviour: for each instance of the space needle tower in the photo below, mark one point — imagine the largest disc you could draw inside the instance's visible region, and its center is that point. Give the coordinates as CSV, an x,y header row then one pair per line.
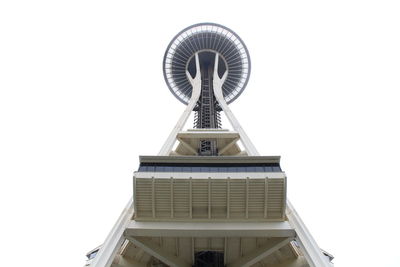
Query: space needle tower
x,y
208,198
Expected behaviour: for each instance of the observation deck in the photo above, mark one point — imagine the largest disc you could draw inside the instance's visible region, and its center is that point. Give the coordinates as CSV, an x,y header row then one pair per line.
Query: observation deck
x,y
206,39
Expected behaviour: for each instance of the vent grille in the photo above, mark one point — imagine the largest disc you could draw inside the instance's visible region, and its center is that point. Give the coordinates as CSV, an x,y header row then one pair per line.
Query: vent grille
x,y
210,199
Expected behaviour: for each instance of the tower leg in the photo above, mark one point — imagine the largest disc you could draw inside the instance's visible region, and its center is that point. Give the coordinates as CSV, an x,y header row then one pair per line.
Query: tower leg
x,y
114,240
309,247
196,84
307,243
217,84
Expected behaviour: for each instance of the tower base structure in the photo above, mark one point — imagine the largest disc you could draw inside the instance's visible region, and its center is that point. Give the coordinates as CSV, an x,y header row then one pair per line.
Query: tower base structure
x,y
226,210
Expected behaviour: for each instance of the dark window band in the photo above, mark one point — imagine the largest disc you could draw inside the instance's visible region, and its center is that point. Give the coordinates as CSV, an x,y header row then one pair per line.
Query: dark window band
x,y
187,167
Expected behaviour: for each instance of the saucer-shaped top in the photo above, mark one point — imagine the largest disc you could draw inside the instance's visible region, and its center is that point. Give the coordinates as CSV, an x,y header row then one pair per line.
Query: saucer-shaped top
x,y
206,39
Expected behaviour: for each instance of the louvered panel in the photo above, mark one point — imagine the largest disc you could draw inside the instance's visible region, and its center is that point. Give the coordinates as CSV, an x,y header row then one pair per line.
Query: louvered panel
x,y
275,199
163,198
237,198
143,198
256,198
200,198
209,198
181,198
218,198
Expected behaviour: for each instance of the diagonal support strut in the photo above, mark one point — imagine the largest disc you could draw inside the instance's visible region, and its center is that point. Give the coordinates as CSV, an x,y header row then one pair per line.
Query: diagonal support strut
x,y
155,250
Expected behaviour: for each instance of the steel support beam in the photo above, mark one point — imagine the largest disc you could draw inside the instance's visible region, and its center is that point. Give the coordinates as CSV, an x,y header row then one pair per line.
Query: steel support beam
x,y
217,84
260,253
227,146
309,247
156,251
196,84
189,147
114,240
210,229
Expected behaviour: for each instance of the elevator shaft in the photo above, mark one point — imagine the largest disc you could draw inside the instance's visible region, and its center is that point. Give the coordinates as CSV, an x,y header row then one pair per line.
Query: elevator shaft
x,y
207,111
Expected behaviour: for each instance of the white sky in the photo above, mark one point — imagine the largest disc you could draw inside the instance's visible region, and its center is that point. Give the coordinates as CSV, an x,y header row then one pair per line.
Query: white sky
x,y
82,95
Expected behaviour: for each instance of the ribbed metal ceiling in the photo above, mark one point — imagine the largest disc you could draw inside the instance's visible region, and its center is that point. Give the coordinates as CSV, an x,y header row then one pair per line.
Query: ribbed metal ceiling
x,y
205,38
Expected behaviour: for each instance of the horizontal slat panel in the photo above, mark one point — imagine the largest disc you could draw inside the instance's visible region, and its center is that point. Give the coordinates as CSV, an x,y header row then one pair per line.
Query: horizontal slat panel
x,y
249,200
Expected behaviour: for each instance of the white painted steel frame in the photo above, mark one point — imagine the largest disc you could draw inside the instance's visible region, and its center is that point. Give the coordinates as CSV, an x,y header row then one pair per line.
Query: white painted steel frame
x,y
207,229
196,84
217,84
155,250
261,252
114,240
309,247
